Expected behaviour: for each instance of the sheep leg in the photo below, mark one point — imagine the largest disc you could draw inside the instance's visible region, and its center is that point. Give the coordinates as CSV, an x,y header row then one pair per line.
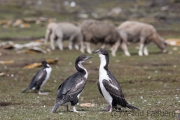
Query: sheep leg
x,y
70,46
146,50
88,47
76,46
125,49
124,38
141,48
52,39
47,34
115,48
82,46
71,43
81,43
76,42
60,43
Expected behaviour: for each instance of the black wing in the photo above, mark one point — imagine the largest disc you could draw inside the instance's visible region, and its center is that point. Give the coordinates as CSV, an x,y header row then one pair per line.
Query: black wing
x,y
67,84
115,92
38,79
70,88
98,84
114,81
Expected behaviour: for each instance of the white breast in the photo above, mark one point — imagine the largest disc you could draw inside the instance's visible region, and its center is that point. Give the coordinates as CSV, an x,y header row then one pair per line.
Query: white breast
x,y
48,70
80,65
103,76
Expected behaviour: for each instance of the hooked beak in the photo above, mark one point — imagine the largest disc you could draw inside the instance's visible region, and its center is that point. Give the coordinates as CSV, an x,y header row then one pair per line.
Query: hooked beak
x,y
96,51
88,57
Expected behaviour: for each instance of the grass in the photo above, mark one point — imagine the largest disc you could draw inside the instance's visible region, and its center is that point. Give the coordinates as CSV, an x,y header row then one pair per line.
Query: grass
x,y
26,33
149,82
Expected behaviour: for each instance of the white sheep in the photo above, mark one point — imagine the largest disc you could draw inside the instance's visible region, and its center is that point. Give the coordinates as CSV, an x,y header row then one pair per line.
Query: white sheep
x,y
64,31
132,31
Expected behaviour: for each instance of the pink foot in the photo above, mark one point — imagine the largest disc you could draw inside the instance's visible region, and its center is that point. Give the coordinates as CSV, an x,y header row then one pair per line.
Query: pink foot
x,y
109,108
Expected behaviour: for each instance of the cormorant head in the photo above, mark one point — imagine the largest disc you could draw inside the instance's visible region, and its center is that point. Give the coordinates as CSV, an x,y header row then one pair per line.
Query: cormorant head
x,y
79,61
45,64
101,51
104,56
82,58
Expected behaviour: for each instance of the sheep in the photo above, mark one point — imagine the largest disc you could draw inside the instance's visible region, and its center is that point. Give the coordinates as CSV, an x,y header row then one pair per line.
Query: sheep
x,y
132,31
100,32
49,29
63,31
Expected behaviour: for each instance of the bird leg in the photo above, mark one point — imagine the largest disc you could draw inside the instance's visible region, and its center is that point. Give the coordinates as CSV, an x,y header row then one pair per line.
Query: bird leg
x,y
43,93
74,109
68,109
109,108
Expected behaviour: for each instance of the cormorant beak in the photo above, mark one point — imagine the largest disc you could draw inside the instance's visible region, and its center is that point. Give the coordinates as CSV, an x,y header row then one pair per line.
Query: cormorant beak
x,y
88,57
96,51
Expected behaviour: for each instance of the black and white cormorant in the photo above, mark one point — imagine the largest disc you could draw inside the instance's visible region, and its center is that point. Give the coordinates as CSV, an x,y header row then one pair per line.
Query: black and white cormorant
x,y
108,85
70,90
40,78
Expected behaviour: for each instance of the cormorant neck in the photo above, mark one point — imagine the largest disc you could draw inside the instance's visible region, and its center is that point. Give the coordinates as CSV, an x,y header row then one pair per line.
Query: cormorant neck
x,y
104,61
47,66
80,68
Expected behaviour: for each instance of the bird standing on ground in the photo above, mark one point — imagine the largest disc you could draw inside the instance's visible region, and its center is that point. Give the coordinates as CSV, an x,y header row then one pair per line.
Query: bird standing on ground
x,y
40,78
69,91
108,85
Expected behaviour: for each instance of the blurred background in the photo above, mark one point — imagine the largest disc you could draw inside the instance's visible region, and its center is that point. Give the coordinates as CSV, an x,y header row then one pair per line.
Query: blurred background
x,y
27,19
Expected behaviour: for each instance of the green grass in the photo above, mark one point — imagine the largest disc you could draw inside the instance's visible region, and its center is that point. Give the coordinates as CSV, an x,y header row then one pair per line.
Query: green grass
x,y
149,82
16,32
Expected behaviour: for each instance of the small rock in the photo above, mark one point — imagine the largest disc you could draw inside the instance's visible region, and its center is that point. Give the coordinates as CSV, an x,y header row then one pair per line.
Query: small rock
x,y
86,105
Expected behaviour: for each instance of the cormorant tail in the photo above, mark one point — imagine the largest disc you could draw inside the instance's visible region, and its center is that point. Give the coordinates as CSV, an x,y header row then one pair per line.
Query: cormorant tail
x,y
132,107
25,90
55,107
